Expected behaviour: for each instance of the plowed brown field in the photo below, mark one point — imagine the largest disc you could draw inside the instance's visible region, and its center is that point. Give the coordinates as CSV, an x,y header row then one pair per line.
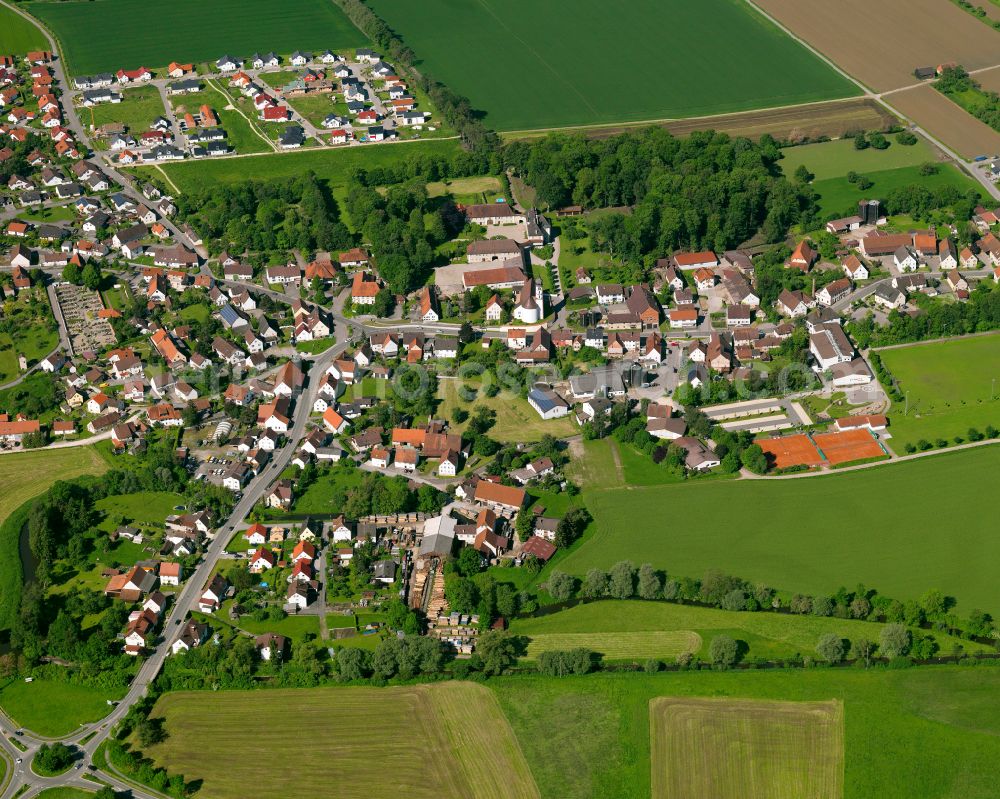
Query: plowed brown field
x,y
947,121
881,43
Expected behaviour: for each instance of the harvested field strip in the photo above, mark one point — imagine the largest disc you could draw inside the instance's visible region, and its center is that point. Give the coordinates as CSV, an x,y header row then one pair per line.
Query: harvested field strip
x,y
619,645
852,34
792,123
474,724
408,751
947,121
746,749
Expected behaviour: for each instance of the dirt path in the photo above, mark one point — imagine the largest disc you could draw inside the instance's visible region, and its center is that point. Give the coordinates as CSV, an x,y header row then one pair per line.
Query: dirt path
x,y
617,459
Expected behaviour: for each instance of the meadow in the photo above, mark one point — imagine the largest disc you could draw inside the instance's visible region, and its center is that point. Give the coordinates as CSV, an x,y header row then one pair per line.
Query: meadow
x,y
813,534
332,166
834,159
632,630
516,420
19,35
112,34
950,386
52,709
589,736
746,749
598,68
26,475
418,741
33,341
837,196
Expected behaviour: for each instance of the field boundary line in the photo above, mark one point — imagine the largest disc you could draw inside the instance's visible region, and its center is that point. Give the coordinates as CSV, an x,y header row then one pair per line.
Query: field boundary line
x,y
942,340
662,120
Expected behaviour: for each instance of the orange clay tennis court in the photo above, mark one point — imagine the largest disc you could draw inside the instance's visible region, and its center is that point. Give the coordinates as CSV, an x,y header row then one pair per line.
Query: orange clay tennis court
x,y
797,450
847,446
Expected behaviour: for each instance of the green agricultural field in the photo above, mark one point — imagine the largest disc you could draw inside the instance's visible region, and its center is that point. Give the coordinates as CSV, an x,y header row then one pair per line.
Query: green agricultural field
x,y
746,749
589,64
111,34
19,35
630,630
333,166
438,735
834,159
137,110
793,534
922,733
51,708
838,196
950,387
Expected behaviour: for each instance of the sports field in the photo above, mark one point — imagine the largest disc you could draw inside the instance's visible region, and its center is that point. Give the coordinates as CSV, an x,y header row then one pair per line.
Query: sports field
x,y
949,387
333,166
19,35
848,446
746,749
371,743
785,451
814,534
111,34
852,34
630,630
921,733
533,65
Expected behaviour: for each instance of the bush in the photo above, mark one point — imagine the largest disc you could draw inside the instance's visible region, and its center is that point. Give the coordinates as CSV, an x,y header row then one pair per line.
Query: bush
x,y
562,663
723,651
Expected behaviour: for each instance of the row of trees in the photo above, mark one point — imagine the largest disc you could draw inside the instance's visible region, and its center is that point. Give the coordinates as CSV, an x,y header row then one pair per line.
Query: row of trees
x,y
716,589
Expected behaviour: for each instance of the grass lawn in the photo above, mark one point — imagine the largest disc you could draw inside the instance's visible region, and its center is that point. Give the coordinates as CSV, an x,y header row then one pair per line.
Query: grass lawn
x,y
195,313
516,420
590,736
318,498
144,508
26,475
34,341
58,213
332,166
468,190
950,387
437,733
813,534
837,196
834,159
19,35
631,630
314,107
294,627
53,709
580,88
63,793
115,33
137,110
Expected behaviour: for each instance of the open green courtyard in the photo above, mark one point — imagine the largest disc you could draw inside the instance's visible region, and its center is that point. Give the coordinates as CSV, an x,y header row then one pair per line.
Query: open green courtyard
x,y
921,733
589,63
114,34
950,386
898,528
